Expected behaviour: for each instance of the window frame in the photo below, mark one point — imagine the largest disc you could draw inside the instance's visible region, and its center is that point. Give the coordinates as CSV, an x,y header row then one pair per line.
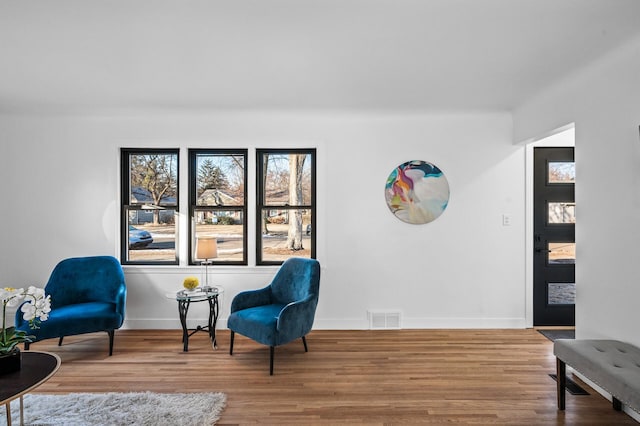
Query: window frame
x,y
126,207
193,154
260,199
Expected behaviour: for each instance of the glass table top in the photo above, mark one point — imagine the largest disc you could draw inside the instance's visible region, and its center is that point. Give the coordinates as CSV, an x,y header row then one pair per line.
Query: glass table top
x,y
200,293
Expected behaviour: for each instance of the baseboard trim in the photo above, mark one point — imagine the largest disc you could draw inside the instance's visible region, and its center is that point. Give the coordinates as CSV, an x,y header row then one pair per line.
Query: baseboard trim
x,y
344,324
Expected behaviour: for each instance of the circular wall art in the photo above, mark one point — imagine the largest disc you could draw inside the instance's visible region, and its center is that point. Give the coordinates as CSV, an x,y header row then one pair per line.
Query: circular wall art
x,y
417,192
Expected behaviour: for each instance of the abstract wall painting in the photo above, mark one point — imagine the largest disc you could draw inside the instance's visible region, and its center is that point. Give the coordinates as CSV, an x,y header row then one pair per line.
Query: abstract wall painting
x,y
417,192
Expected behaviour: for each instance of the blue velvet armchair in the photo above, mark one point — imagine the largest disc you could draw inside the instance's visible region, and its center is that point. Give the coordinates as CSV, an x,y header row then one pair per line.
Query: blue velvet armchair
x,y
281,312
88,295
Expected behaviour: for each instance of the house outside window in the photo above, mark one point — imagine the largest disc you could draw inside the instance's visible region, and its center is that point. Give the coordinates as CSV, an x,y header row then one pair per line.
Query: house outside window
x,y
286,205
149,201
218,203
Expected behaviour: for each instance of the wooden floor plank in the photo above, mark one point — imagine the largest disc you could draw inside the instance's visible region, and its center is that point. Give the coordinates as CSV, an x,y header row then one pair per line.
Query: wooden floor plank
x,y
355,377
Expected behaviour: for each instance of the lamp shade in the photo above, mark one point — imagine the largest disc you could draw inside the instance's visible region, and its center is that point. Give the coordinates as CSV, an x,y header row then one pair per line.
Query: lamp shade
x,y
206,248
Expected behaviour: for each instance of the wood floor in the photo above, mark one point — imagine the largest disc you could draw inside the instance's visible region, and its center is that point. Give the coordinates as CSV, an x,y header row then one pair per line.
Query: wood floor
x,y
347,377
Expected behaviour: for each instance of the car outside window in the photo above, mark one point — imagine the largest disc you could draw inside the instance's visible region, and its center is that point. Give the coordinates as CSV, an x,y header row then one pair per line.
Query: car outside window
x,y
149,199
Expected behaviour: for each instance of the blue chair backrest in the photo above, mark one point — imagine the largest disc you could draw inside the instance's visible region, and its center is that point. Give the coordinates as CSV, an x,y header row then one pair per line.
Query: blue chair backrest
x,y
87,279
297,279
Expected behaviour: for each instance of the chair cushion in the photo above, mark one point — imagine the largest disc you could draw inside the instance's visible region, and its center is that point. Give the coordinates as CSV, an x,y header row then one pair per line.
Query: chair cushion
x,y
259,323
77,319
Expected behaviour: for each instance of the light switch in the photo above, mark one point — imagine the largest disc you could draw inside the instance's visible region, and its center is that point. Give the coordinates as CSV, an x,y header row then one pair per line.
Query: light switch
x,y
506,220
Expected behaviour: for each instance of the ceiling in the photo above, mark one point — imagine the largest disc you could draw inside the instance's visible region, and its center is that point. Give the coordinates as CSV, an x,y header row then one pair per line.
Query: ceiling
x,y
124,55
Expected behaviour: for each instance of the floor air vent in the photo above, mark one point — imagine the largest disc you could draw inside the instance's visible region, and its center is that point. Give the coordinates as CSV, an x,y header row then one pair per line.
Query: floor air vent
x,y
384,320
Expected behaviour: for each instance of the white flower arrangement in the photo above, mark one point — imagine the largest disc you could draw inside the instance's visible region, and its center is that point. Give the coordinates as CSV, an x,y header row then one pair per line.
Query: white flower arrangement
x,y
35,309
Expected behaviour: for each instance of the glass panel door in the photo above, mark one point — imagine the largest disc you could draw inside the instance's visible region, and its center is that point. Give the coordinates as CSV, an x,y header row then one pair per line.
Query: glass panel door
x,y
554,213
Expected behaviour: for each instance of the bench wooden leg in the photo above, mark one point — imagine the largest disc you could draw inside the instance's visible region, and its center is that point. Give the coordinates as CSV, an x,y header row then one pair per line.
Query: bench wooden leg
x,y
617,405
561,380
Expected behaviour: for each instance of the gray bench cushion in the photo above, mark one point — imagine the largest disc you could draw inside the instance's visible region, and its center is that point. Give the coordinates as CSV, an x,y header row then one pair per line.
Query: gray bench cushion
x,y
612,365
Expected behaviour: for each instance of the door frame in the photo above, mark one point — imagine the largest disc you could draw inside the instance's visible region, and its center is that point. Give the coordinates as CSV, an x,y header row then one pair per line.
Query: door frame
x,y
561,137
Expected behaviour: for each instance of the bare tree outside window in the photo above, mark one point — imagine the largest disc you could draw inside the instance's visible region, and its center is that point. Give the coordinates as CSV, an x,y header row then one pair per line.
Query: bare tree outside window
x,y
154,181
296,165
286,204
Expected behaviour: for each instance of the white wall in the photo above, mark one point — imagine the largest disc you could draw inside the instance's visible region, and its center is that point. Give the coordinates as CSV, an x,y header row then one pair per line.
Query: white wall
x,y
604,103
465,269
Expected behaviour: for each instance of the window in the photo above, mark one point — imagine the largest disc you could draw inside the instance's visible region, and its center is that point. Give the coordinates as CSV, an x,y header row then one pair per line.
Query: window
x,y
286,203
561,172
218,203
561,212
149,199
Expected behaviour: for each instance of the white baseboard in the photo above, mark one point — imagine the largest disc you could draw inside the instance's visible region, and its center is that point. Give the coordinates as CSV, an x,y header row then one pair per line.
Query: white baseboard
x,y
345,324
165,324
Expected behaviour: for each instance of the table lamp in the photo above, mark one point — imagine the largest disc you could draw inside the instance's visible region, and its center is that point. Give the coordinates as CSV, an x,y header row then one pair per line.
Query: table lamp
x,y
206,248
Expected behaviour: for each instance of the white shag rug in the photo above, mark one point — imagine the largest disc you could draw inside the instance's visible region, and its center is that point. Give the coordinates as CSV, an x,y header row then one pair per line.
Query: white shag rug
x,y
118,409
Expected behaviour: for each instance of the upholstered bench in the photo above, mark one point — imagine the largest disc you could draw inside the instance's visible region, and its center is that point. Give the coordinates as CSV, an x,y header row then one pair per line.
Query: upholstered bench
x,y
610,364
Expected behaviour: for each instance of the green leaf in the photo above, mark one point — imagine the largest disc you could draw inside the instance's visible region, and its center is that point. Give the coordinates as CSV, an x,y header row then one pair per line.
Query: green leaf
x,y
10,338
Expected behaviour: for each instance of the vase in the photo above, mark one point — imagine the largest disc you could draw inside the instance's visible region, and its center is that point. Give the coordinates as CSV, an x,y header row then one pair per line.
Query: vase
x,y
11,362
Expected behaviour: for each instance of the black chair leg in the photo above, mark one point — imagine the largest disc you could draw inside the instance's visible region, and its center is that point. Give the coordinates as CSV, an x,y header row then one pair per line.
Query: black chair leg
x,y
304,341
60,341
111,335
271,351
233,334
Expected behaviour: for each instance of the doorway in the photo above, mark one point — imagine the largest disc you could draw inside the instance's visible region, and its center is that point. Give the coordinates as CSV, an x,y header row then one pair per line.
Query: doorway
x,y
554,246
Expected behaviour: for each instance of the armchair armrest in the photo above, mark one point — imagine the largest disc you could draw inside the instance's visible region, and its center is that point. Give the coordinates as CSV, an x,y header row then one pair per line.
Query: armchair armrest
x,y
251,298
296,319
121,300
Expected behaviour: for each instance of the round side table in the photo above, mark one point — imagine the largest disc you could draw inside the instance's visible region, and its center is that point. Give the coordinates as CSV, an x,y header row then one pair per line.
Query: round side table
x,y
202,294
37,368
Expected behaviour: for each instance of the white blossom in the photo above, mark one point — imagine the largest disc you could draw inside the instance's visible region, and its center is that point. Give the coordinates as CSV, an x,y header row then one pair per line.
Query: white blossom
x,y
36,308
12,297
29,311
